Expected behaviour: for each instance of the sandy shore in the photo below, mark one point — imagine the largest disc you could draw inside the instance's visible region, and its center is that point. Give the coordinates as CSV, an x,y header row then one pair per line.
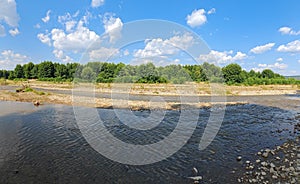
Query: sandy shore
x,y
49,94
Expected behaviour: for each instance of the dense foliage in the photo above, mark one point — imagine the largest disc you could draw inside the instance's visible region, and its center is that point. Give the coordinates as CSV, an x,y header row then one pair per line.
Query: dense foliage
x,y
104,72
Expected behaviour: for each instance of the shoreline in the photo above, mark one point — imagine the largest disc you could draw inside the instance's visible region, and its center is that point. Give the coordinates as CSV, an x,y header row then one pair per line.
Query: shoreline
x,y
63,99
53,93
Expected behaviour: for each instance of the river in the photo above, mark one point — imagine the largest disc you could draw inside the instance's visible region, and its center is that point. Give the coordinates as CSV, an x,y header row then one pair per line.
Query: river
x,y
44,145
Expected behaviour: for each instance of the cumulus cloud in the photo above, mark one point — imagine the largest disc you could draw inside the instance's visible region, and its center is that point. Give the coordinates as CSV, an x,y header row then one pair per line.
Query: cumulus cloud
x,y
76,41
2,31
275,66
217,57
14,32
8,12
113,27
160,47
97,3
262,48
288,31
126,52
75,38
279,59
44,38
60,55
70,25
9,59
103,54
292,47
47,17
211,11
196,18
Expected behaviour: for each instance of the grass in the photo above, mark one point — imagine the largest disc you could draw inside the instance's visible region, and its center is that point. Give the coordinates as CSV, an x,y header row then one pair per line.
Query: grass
x,y
28,89
3,82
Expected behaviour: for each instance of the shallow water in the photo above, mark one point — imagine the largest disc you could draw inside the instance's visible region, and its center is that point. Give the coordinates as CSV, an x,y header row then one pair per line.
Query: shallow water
x,y
44,145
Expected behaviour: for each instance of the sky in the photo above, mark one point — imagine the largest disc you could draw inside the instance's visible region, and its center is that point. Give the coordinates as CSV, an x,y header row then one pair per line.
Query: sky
x,y
255,34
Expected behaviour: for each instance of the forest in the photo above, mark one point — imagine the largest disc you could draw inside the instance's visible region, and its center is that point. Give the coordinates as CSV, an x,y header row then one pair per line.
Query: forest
x,y
104,72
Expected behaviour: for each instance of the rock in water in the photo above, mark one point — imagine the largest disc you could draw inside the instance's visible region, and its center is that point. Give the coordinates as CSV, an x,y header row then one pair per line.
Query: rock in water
x,y
239,158
36,103
195,170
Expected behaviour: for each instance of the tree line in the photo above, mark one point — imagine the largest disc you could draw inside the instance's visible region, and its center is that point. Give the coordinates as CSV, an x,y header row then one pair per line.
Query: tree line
x,y
104,72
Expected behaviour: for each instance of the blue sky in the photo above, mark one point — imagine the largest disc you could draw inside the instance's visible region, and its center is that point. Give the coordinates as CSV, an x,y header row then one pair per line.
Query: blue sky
x,y
255,34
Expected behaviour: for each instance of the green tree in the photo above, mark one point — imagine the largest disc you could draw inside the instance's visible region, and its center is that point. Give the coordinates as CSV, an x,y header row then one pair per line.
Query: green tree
x,y
46,70
232,73
88,74
60,71
267,73
19,73
27,70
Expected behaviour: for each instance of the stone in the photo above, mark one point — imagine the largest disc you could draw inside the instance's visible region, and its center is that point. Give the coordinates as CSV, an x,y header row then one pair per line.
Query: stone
x,y
36,103
264,164
272,165
239,158
195,170
196,178
265,154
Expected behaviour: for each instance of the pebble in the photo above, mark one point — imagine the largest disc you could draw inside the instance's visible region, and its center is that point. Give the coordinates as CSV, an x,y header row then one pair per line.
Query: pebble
x,y
264,164
195,170
196,178
265,154
239,158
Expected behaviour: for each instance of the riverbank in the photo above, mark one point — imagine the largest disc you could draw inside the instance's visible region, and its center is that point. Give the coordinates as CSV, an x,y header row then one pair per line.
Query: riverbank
x,y
54,98
201,89
61,93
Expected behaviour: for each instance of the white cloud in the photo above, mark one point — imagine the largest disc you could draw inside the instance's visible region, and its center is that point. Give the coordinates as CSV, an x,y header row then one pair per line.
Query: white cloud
x,y
159,47
76,41
37,26
14,32
126,52
44,38
60,55
293,47
103,54
113,27
288,31
2,31
70,25
211,11
299,61
97,3
279,59
76,38
197,18
47,17
8,12
275,66
64,18
217,57
9,59
262,48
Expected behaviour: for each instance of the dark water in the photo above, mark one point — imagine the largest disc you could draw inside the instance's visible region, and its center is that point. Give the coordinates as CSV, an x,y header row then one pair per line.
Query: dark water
x,y
44,145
